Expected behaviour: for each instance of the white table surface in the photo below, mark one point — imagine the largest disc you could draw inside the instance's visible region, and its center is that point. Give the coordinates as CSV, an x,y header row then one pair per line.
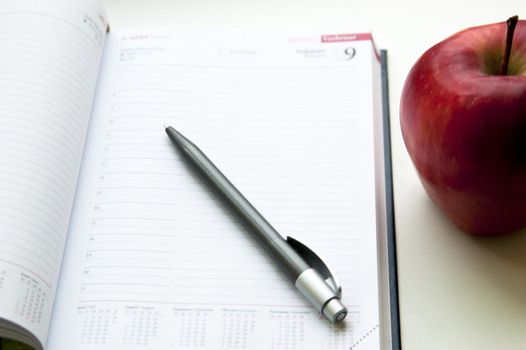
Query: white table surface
x,y
456,291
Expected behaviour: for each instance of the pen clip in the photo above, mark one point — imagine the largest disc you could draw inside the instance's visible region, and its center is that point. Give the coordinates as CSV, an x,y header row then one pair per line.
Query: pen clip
x,y
316,262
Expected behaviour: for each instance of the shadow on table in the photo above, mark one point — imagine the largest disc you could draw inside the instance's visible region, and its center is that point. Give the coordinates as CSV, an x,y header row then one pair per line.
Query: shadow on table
x,y
505,263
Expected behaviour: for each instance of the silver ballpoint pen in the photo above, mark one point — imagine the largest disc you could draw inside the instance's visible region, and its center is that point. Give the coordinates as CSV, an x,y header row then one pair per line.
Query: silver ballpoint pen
x,y
302,266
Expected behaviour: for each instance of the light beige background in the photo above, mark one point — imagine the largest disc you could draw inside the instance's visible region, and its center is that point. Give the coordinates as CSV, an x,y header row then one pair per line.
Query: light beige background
x,y
456,291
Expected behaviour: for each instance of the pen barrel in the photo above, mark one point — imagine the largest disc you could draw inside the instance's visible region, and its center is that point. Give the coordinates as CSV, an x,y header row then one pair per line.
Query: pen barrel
x,y
306,279
288,260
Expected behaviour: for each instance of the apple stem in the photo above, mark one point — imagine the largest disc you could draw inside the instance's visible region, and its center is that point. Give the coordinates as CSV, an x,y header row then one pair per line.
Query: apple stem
x,y
511,24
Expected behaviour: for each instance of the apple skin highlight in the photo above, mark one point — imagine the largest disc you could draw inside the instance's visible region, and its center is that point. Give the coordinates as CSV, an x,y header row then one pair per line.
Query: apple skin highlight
x,y
464,127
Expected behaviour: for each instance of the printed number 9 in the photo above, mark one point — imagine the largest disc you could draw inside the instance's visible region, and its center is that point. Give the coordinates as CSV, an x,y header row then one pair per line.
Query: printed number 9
x,y
350,52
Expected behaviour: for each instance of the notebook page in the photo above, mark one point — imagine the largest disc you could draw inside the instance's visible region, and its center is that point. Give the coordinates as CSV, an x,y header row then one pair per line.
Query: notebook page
x,y
154,260
49,59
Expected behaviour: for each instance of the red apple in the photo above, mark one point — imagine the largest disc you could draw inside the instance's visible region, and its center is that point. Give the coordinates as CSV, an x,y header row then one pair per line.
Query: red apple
x,y
464,125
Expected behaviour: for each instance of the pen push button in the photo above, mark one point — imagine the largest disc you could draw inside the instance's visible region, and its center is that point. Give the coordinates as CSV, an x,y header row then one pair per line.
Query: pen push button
x,y
313,287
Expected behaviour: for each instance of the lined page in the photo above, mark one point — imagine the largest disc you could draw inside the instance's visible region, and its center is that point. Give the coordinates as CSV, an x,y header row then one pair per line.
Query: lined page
x,y
49,60
154,259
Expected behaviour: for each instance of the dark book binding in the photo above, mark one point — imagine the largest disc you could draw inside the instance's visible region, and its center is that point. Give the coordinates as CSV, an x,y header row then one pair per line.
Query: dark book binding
x,y
391,231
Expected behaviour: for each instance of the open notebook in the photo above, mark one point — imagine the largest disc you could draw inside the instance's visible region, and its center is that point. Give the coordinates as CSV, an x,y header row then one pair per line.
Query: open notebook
x,y
109,241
